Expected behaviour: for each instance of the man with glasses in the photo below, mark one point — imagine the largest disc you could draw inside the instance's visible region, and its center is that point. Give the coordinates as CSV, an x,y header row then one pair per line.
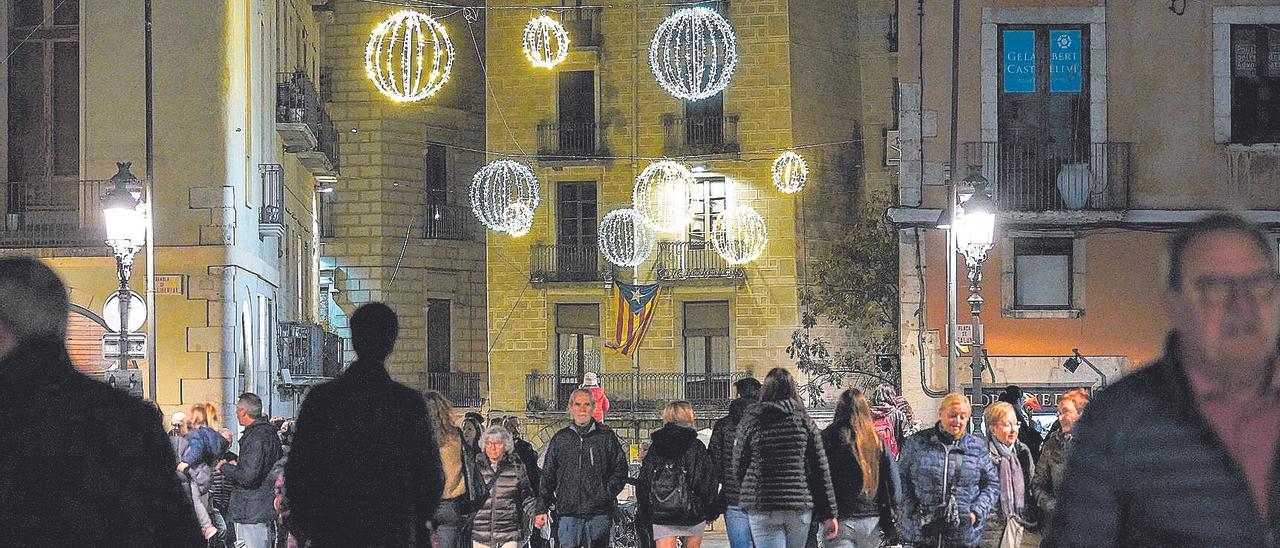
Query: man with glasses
x,y
1183,452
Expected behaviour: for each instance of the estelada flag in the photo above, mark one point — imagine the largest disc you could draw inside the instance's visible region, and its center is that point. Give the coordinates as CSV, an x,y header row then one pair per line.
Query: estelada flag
x,y
635,306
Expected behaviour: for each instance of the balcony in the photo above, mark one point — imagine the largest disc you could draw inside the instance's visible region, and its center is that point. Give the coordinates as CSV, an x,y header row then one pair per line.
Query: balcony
x,y
583,25
463,388
568,263
1040,177
53,212
700,135
690,261
447,222
308,354
638,394
568,141
271,215
304,125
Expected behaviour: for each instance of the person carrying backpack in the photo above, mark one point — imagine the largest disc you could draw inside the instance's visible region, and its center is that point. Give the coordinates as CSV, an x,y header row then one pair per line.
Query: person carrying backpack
x,y
891,422
677,484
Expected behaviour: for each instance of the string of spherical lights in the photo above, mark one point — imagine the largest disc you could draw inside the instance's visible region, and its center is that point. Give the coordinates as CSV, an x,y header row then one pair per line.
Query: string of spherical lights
x,y
739,236
395,57
504,195
661,195
693,53
546,42
626,237
790,172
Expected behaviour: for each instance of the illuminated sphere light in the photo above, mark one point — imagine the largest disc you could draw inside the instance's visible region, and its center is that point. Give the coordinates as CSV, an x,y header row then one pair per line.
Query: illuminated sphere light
x,y
626,237
409,56
740,235
790,172
693,53
546,43
661,195
504,195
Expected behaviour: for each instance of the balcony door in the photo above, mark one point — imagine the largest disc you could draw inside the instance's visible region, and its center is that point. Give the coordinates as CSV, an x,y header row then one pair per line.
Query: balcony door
x,y
577,347
1043,115
576,103
706,350
576,226
704,122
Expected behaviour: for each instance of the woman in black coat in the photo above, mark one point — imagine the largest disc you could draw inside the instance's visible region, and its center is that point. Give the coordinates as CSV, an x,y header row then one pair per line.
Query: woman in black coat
x,y
864,473
677,485
500,521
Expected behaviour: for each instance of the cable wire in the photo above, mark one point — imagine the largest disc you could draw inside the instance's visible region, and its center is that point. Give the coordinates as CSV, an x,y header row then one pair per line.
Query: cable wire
x,y
43,23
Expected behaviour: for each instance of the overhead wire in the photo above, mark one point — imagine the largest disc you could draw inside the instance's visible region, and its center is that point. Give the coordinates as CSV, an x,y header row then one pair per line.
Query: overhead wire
x,y
43,23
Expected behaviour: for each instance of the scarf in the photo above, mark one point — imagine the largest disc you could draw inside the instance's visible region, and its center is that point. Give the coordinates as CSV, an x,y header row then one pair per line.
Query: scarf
x,y
1012,495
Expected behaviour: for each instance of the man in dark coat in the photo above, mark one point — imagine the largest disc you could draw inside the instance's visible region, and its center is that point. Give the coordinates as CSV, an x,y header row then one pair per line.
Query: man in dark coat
x,y
582,473
1183,452
252,495
364,468
81,463
721,448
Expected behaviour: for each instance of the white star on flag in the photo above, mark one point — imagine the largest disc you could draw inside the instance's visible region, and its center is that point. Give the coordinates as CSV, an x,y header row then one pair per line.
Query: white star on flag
x,y
636,296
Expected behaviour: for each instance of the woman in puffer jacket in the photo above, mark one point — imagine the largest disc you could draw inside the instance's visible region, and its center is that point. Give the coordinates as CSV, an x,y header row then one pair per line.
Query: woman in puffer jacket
x,y
864,473
782,467
676,452
970,480
500,522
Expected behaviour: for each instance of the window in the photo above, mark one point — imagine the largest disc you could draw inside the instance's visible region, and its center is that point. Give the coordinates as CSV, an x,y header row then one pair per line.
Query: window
x,y
577,345
576,214
438,335
1255,83
44,90
437,174
709,199
704,121
577,112
706,350
1042,273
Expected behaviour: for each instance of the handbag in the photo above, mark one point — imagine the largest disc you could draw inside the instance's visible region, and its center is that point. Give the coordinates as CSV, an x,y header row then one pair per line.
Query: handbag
x,y
1013,531
943,517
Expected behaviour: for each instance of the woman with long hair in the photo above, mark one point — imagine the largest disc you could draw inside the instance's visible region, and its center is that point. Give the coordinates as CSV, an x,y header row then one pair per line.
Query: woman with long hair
x,y
677,462
450,519
205,447
782,467
948,481
864,473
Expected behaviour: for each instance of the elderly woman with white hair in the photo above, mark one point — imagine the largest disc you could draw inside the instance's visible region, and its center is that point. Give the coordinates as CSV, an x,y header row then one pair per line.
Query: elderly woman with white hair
x,y
500,522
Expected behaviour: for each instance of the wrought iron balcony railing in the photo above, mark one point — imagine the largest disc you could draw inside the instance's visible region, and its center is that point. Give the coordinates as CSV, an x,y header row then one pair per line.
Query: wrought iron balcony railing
x,y
694,261
271,215
643,393
308,351
55,212
304,124
569,139
568,263
463,388
700,135
1035,175
447,222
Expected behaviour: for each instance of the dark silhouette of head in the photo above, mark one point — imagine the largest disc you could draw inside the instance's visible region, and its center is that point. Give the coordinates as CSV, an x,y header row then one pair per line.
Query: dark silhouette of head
x,y
748,388
779,385
374,328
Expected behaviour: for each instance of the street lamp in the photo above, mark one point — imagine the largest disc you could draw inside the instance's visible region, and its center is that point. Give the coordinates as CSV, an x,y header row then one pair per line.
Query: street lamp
x,y
975,234
126,233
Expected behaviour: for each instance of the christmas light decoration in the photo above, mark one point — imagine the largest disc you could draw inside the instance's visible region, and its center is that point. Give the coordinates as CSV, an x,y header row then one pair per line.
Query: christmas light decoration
x,y
504,195
409,56
740,235
546,43
661,195
693,53
790,172
626,237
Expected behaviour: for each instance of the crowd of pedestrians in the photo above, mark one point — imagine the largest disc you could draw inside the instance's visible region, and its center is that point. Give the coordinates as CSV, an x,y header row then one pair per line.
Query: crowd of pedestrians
x,y
1179,453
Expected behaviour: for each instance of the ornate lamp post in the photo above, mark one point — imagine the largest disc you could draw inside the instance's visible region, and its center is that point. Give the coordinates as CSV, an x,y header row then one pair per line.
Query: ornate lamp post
x,y
126,234
975,234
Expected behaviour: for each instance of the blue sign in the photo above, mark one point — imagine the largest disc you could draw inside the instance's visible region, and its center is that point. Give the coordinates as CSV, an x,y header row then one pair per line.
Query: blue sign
x,y
1065,61
1019,61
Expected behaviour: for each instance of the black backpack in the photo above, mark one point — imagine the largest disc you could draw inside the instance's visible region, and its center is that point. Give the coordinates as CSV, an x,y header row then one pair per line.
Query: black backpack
x,y
670,498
